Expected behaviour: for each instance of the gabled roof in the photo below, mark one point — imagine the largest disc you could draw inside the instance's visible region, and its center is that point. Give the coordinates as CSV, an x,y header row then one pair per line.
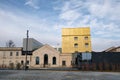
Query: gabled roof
x,y
111,48
48,47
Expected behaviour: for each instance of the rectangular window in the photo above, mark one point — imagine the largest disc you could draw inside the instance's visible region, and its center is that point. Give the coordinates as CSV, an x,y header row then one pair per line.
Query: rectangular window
x,y
86,45
17,53
22,62
37,60
75,38
11,53
63,63
76,45
27,62
86,38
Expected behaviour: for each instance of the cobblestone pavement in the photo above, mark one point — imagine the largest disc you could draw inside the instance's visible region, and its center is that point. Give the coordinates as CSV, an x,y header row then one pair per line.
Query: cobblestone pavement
x,y
57,75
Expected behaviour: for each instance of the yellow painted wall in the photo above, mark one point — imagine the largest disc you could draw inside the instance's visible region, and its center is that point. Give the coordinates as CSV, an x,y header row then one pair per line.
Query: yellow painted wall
x,y
68,41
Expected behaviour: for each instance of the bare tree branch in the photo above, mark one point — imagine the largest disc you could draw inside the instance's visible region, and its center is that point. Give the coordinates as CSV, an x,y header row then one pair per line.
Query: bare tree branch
x,y
10,43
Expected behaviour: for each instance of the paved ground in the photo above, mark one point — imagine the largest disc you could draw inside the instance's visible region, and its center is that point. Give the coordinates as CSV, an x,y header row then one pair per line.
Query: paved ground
x,y
57,75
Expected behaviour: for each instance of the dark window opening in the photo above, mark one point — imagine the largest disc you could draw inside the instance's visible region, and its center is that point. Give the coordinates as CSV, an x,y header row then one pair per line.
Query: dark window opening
x,y
86,38
54,60
27,62
75,38
17,53
37,60
45,59
86,44
75,45
22,62
11,53
63,63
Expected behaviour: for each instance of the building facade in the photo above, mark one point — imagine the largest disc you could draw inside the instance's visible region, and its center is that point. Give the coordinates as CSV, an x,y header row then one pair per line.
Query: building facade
x,y
45,56
76,40
11,57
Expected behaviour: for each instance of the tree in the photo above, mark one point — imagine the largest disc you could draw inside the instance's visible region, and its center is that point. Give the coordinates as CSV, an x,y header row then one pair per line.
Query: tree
x,y
18,66
10,43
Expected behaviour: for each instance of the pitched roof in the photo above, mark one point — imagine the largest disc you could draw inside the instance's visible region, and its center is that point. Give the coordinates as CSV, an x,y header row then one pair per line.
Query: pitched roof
x,y
111,48
48,47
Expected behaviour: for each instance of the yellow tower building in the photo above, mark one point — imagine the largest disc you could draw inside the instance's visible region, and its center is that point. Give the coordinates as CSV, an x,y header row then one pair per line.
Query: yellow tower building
x,y
76,40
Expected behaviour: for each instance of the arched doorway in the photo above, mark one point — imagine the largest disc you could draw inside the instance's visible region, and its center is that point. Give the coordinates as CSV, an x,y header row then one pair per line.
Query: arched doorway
x,y
54,60
45,59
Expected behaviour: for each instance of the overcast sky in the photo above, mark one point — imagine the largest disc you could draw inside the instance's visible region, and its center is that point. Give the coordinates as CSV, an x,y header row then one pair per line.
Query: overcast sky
x,y
45,18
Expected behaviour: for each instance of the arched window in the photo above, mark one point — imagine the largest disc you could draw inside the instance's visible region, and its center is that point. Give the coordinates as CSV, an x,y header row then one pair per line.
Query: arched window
x,y
54,60
37,60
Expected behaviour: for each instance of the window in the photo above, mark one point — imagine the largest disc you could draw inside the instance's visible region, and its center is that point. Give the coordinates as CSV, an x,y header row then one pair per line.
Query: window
x,y
11,53
76,51
75,45
27,62
37,60
22,62
63,63
86,44
87,51
17,53
86,38
54,60
75,38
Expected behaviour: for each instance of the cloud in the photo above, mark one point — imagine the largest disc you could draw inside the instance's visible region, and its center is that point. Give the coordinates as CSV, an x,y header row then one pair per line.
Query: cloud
x,y
32,3
105,9
101,44
102,16
14,28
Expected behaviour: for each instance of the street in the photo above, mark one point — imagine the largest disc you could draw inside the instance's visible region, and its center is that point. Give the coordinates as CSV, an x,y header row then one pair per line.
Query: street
x,y
57,75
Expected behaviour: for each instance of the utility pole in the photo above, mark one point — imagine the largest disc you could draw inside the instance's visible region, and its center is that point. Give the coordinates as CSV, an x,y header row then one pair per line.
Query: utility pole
x,y
26,50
